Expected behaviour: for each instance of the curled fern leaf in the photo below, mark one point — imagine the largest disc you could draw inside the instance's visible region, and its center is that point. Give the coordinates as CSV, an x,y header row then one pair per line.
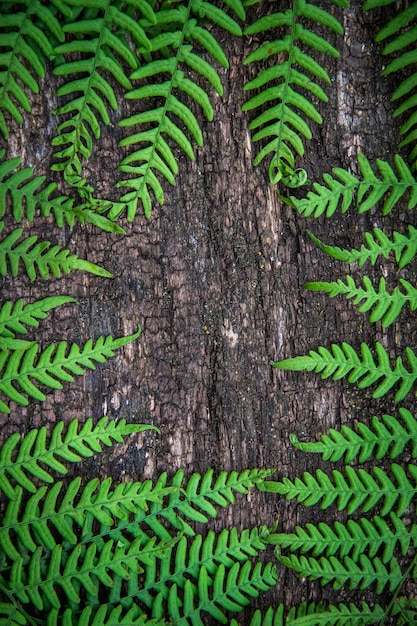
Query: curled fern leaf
x,y
344,190
403,247
363,369
32,454
387,435
289,85
352,490
56,363
15,316
99,42
169,93
386,306
357,574
351,539
40,258
28,30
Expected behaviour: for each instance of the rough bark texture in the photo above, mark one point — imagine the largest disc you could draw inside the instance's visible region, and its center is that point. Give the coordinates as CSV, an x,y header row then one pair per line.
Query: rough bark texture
x,y
215,277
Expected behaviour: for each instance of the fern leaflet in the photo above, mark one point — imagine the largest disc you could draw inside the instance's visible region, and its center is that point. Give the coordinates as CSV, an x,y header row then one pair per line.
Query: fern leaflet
x,y
402,247
291,89
351,539
23,194
26,38
99,41
39,258
386,306
55,364
15,316
357,488
344,190
363,369
103,616
20,457
178,29
384,436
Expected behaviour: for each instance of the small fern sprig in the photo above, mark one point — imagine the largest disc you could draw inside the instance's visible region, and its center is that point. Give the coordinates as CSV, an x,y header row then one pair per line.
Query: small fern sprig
x,y
58,362
168,96
352,489
27,36
363,368
288,86
384,436
40,258
31,455
15,316
401,30
344,190
100,42
23,195
402,247
386,306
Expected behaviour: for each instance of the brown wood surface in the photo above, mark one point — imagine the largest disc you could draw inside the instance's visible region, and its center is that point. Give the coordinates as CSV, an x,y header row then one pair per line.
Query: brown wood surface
x,y
215,277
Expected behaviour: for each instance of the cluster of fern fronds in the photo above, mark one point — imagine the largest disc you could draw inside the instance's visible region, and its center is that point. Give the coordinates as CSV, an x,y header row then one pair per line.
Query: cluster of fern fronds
x,y
377,547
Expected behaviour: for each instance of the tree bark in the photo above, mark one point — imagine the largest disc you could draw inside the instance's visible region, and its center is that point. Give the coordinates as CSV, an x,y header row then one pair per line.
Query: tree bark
x,y
215,277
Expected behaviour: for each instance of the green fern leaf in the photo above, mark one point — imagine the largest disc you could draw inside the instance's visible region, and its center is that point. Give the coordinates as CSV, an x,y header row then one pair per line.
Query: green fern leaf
x,y
358,489
402,247
277,617
15,316
229,590
351,539
24,195
363,369
386,306
177,32
55,364
344,190
362,573
401,29
102,616
10,615
99,42
26,39
387,435
33,454
341,615
291,87
40,258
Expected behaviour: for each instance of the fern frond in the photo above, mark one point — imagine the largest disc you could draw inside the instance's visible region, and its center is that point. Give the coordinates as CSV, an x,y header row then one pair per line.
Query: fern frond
x,y
342,615
357,574
401,29
384,436
169,95
229,590
386,306
15,316
32,454
198,498
28,30
56,515
23,195
99,42
56,363
289,85
86,568
403,247
277,616
103,616
345,190
351,539
362,369
352,490
40,258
